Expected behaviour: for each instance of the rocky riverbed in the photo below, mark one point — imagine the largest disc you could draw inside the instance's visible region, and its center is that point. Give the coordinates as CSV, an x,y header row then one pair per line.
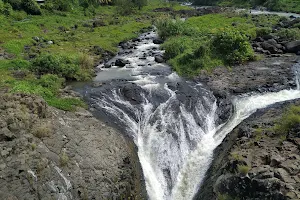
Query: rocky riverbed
x,y
273,162
47,153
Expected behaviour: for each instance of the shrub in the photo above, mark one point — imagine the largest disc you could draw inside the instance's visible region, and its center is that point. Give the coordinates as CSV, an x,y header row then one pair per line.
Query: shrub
x,y
31,7
63,66
1,6
233,47
16,4
51,81
125,7
64,159
42,130
176,46
289,120
18,15
7,9
243,169
168,27
289,34
20,64
263,31
85,61
60,5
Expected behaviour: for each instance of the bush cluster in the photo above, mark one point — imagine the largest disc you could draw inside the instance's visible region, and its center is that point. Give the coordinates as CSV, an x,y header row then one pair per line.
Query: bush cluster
x,y
168,27
67,67
243,169
175,46
190,49
288,34
52,82
289,120
234,47
60,5
29,6
5,8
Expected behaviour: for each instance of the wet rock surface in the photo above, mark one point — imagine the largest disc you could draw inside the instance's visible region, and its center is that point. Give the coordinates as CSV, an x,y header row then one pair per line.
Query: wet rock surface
x,y
46,153
266,75
270,74
273,164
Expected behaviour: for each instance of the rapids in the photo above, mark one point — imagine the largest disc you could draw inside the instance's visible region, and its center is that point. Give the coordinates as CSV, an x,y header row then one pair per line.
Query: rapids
x,y
171,120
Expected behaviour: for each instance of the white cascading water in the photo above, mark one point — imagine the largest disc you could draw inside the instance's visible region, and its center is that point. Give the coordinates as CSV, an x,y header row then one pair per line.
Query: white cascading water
x,y
174,125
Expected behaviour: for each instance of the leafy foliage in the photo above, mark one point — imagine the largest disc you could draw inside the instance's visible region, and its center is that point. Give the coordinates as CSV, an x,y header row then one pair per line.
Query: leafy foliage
x,y
288,34
127,7
51,81
29,6
63,66
289,120
233,46
168,27
205,42
277,5
243,169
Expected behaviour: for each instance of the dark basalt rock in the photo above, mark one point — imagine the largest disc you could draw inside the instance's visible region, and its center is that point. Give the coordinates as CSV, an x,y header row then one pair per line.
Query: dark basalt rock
x,y
159,59
272,165
121,62
158,41
267,46
132,93
293,47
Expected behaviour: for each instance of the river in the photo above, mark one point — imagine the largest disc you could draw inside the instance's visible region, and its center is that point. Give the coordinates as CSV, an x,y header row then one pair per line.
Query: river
x,y
171,120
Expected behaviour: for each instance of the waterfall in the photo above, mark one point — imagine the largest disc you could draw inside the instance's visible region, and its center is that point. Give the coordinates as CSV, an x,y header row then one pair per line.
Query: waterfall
x,y
171,120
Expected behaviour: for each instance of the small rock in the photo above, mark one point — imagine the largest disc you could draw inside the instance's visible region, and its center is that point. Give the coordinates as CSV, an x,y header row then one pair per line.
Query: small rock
x,y
267,37
97,84
158,41
283,175
276,160
37,39
107,65
159,59
120,63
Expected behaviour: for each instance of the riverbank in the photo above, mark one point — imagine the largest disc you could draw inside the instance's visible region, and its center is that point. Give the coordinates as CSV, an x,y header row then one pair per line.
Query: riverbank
x,y
50,153
56,148
272,5
79,143
255,160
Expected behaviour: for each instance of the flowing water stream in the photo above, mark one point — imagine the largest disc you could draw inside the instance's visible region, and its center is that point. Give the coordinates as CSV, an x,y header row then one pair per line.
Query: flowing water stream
x,y
171,120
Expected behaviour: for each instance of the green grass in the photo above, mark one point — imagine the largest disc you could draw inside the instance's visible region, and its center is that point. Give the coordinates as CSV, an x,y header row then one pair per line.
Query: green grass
x,y
289,120
243,169
275,5
189,46
18,29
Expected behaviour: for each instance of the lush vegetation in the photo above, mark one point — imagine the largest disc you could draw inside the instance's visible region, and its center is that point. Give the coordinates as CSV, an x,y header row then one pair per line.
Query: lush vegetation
x,y
276,5
206,42
42,49
289,121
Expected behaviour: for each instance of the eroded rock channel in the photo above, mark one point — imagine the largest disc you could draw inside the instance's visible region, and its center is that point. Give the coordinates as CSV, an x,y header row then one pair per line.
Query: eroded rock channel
x,y
176,124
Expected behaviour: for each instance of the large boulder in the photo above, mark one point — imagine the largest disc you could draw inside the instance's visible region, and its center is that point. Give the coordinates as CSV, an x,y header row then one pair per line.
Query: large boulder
x,y
293,47
274,43
120,62
272,49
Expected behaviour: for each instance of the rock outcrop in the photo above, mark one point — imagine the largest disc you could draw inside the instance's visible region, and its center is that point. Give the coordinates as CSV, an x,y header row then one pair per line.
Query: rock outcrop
x,y
46,153
255,163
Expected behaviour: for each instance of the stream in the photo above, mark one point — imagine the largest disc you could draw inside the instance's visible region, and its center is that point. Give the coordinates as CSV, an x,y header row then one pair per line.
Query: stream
x,y
171,120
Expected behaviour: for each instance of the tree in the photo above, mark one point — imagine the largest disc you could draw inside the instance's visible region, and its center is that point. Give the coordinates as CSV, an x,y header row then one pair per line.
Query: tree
x,y
140,3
